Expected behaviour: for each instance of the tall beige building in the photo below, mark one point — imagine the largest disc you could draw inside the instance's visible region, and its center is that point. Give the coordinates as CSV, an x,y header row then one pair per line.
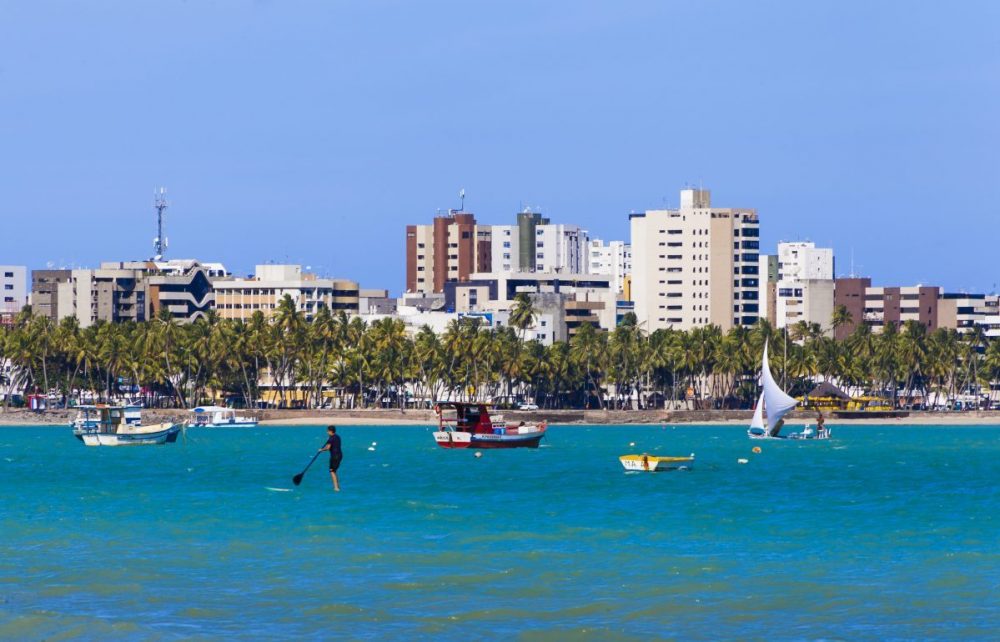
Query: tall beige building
x,y
696,265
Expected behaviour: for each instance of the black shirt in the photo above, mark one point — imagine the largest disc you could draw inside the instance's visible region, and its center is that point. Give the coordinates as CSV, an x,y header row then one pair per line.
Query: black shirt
x,y
334,443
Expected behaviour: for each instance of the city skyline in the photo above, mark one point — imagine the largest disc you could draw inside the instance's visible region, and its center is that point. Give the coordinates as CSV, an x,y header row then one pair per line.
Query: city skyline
x,y
284,133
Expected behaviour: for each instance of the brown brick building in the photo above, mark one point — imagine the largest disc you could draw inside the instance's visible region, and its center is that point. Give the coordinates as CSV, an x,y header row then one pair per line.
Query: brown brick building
x,y
449,250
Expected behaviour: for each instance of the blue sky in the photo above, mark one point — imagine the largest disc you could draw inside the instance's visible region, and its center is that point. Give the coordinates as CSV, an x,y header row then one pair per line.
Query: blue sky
x,y
312,132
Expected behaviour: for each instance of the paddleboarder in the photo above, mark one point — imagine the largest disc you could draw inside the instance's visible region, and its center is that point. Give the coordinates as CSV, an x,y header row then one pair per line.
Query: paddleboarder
x,y
336,455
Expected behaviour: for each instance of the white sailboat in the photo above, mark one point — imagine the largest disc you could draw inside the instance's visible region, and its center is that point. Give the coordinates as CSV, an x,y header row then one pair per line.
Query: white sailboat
x,y
778,404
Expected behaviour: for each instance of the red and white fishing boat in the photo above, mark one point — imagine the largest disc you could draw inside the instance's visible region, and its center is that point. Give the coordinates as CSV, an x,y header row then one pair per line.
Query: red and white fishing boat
x,y
468,425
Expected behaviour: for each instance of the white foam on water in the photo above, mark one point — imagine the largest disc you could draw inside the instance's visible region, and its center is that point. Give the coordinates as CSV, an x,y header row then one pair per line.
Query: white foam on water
x,y
278,490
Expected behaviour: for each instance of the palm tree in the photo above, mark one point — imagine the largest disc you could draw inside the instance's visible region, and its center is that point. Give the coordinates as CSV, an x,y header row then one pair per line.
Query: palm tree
x,y
841,317
522,314
588,347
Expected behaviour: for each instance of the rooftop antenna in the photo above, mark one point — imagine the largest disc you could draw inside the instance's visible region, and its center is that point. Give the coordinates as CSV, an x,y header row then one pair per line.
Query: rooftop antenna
x,y
461,195
160,204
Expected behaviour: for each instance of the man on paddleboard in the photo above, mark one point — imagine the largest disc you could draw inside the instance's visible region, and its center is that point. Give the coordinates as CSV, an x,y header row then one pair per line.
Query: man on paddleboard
x,y
333,445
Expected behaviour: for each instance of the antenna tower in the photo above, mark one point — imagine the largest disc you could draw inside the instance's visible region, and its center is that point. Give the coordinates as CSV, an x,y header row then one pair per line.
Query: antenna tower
x,y
160,204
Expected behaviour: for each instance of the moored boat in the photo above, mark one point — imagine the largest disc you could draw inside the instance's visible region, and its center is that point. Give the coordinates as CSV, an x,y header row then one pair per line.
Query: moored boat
x,y
654,464
468,425
219,417
102,425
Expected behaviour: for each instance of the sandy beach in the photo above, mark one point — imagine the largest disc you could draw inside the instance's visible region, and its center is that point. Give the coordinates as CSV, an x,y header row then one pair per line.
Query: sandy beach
x,y
20,417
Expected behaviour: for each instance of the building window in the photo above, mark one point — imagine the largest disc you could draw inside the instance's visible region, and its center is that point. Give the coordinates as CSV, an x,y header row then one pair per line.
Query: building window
x,y
506,243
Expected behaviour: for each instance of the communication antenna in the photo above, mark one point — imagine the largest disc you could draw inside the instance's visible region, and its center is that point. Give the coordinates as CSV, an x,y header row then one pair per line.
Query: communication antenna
x,y
461,195
160,204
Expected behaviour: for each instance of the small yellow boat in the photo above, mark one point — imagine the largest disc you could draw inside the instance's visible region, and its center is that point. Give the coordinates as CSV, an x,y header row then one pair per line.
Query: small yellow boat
x,y
652,463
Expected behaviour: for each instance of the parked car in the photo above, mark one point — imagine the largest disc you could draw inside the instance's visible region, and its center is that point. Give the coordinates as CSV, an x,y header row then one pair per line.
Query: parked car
x,y
528,406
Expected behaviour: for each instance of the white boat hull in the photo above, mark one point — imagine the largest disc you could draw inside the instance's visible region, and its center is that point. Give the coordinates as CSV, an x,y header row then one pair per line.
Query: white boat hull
x,y
134,436
795,436
233,424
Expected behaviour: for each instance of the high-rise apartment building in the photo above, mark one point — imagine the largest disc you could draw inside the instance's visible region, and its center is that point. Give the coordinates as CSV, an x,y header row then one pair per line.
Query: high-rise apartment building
x,y
802,260
804,290
885,305
560,249
807,301
447,251
963,312
850,293
45,291
126,291
537,244
612,259
696,265
768,298
13,290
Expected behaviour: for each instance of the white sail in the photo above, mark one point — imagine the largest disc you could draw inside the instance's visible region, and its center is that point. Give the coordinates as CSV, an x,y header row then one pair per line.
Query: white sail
x,y
758,414
778,403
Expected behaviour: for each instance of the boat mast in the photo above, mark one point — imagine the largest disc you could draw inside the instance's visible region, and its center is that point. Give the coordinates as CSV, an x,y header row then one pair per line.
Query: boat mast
x,y
784,359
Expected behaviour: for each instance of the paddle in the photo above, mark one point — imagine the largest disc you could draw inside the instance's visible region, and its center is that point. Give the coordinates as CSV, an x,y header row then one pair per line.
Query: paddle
x,y
298,478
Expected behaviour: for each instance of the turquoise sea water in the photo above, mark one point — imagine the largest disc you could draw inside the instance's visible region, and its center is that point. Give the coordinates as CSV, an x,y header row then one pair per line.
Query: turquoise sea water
x,y
880,533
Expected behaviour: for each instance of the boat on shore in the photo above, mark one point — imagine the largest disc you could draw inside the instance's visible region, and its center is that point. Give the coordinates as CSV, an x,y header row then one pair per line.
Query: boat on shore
x,y
468,425
777,404
219,417
654,464
104,425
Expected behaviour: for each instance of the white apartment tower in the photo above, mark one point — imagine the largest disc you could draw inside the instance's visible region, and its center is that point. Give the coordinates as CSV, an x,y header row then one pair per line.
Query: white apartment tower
x,y
612,259
802,260
560,249
505,248
696,265
13,289
805,287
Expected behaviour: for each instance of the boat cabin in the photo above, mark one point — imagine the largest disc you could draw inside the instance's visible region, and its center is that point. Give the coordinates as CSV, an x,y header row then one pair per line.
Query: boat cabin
x,y
100,418
464,417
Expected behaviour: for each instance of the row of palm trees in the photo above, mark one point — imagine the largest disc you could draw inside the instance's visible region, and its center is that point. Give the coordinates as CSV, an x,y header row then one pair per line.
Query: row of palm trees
x,y
287,359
